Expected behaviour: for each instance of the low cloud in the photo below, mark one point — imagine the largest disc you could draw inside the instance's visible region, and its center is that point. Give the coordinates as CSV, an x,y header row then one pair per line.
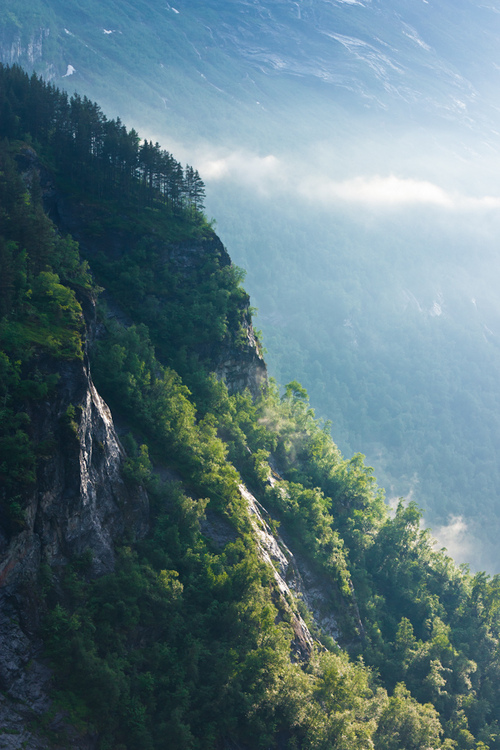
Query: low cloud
x,y
309,181
392,192
262,172
379,191
269,174
456,538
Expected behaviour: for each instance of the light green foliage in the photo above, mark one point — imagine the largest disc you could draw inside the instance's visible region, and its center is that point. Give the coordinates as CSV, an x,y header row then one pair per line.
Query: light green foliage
x,y
405,723
343,489
346,692
155,400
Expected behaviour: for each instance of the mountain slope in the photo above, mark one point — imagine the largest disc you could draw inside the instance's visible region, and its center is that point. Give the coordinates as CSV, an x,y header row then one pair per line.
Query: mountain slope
x,y
146,593
385,56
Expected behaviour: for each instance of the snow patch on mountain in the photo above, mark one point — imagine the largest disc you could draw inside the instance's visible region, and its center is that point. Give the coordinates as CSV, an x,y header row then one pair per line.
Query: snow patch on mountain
x,y
366,52
412,34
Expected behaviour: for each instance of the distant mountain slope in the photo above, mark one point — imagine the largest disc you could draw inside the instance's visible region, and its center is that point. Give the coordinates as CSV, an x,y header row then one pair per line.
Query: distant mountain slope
x,y
405,59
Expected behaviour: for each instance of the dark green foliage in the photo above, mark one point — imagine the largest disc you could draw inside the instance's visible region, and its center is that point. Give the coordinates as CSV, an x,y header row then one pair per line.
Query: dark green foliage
x,y
99,154
142,226
39,316
181,641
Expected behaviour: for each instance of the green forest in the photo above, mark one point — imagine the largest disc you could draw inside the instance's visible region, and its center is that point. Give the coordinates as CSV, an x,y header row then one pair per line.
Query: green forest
x,y
188,638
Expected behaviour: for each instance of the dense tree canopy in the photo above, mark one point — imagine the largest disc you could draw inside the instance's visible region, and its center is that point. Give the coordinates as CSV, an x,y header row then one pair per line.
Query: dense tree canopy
x,y
101,155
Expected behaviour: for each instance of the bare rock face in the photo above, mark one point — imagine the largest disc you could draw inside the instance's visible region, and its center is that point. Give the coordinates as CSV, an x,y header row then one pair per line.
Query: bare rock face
x,y
314,590
26,50
244,366
80,503
293,578
83,502
238,361
276,554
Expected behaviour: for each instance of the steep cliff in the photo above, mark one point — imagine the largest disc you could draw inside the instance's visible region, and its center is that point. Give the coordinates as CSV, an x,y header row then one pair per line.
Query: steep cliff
x,y
79,507
26,51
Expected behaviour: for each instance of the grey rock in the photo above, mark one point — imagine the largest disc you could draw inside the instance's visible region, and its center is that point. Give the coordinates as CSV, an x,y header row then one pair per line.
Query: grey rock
x,y
241,367
80,502
217,529
27,50
276,554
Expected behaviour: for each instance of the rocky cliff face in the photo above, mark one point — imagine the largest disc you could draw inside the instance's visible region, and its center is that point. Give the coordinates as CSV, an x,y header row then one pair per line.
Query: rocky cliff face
x,y
239,365
79,506
280,559
26,49
243,366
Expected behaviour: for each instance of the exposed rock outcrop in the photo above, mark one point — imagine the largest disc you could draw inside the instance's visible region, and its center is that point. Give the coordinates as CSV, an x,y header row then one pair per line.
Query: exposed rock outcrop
x,y
80,503
26,49
280,560
314,590
244,366
276,554
239,365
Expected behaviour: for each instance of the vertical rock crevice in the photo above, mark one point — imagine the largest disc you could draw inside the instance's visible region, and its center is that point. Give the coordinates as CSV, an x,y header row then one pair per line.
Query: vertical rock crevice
x,y
80,503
